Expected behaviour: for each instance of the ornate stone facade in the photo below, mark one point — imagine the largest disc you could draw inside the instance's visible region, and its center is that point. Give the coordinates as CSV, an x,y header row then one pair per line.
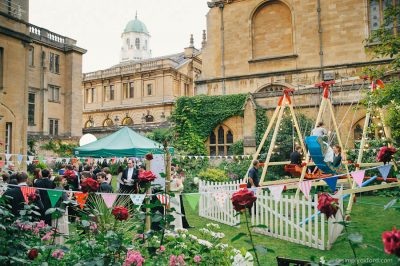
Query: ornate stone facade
x,y
264,46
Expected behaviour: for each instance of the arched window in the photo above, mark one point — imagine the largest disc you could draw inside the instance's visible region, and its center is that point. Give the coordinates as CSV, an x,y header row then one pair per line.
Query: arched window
x,y
221,140
272,88
272,33
149,118
89,123
108,123
137,43
127,121
358,132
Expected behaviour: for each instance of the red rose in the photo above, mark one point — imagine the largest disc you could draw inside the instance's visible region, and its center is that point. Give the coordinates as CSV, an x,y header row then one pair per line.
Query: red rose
x,y
149,157
327,205
70,175
243,199
391,242
147,176
385,154
33,197
89,185
33,253
120,213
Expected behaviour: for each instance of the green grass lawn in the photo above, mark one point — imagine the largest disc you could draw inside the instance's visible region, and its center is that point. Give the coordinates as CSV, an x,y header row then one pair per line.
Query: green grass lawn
x,y
368,218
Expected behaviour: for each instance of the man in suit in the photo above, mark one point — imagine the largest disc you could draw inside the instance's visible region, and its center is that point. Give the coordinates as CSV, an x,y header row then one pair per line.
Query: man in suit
x,y
104,186
17,200
129,179
45,182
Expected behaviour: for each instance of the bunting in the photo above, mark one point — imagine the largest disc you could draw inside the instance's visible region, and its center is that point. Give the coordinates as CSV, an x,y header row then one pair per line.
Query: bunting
x,y
193,200
1,163
137,199
358,177
19,158
164,199
305,187
81,198
54,196
276,191
331,182
26,191
109,199
8,157
384,170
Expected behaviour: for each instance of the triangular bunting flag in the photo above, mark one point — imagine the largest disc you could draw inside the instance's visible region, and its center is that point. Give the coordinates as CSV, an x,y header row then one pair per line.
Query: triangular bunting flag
x,y
305,187
1,163
202,157
163,199
384,170
276,191
8,157
26,191
358,177
193,200
54,196
30,158
331,182
220,198
20,157
137,199
109,199
81,198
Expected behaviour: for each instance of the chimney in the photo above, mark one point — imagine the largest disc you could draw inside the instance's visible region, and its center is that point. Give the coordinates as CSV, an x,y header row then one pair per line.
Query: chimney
x,y
204,42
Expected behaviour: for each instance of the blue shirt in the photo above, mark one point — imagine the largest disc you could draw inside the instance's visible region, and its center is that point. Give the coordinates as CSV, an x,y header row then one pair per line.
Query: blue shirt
x,y
253,174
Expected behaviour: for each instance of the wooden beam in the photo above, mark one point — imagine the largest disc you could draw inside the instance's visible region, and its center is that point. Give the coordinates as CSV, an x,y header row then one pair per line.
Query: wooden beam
x,y
370,188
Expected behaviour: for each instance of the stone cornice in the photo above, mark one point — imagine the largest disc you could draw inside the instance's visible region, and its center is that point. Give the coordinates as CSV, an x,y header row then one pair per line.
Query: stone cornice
x,y
123,108
15,34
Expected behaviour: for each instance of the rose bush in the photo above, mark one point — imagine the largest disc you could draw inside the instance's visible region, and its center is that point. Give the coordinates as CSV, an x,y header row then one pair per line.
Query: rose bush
x,y
120,213
243,199
385,154
89,185
391,242
327,205
147,176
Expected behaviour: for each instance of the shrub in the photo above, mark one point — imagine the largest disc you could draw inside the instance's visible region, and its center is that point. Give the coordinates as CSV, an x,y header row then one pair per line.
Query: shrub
x,y
214,175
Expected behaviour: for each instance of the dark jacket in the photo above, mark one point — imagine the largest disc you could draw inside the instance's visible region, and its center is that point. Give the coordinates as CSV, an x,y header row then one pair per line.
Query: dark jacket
x,y
44,183
295,158
135,175
17,200
105,188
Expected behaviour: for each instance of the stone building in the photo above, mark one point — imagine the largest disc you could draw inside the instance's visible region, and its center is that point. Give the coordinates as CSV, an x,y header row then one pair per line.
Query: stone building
x,y
138,92
40,79
265,46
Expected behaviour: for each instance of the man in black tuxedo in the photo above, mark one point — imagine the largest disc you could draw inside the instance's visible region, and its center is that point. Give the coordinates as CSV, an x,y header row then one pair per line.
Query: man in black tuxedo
x,y
104,186
17,200
45,182
129,179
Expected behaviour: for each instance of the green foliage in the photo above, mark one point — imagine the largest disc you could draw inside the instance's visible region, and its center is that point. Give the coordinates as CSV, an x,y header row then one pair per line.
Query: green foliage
x,y
195,118
161,134
237,148
261,124
235,169
59,147
214,175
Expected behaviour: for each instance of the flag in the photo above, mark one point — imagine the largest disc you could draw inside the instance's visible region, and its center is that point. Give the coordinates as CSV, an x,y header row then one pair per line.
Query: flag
x,y
8,157
30,158
193,200
305,187
81,198
331,182
220,198
109,199
163,199
1,163
54,196
26,191
384,170
276,191
137,199
20,157
358,177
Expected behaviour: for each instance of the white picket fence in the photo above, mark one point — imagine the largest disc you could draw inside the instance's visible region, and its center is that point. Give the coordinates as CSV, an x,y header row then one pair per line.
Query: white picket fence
x,y
209,207
290,219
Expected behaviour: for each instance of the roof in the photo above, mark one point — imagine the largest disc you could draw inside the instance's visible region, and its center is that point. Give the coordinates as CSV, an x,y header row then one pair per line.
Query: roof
x,y
136,26
179,58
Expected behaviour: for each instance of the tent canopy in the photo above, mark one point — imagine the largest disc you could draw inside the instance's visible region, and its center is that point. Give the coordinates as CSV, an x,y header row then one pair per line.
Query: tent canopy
x,y
123,143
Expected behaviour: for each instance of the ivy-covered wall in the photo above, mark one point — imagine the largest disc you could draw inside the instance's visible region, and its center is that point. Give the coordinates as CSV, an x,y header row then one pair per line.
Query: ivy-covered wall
x,y
195,118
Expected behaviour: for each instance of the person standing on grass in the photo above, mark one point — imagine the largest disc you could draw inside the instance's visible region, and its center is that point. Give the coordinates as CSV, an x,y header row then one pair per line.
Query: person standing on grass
x,y
104,186
46,183
253,178
129,179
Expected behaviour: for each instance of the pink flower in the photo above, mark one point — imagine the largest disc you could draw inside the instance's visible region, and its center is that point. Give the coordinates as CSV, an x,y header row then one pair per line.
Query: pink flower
x,y
133,258
93,227
181,259
58,254
197,259
162,248
41,224
47,236
139,236
173,260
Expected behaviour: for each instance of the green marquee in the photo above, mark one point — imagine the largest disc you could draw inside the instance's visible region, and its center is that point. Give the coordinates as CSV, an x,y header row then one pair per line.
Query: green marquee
x,y
123,143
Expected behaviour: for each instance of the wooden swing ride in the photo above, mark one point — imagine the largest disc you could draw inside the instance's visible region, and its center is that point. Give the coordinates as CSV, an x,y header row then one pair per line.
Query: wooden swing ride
x,y
313,156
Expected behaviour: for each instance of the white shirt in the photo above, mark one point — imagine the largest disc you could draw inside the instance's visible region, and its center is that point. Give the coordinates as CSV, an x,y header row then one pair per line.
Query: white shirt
x,y
130,174
319,131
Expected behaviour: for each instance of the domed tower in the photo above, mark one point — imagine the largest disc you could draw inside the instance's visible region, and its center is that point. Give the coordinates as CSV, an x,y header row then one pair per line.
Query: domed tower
x,y
135,41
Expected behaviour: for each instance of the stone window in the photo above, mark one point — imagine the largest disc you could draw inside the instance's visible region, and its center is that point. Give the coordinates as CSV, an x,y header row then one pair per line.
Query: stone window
x,y
90,95
89,124
187,92
137,43
357,132
112,92
109,93
272,30
127,121
149,118
8,140
54,66
108,122
131,90
272,88
54,93
377,10
145,45
221,140
31,109
149,89
53,127
31,56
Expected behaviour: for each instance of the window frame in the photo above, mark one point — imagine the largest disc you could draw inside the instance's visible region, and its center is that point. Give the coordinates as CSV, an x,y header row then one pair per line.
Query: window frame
x,y
381,11
217,146
31,113
8,138
54,126
52,89
31,56
137,43
149,88
112,92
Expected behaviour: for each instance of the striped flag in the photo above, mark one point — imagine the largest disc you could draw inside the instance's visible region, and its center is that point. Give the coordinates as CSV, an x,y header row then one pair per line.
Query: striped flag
x,y
305,187
163,199
26,191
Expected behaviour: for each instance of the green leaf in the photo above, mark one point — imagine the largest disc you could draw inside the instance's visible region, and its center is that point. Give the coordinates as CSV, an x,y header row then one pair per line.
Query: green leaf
x,y
261,249
50,211
238,236
355,238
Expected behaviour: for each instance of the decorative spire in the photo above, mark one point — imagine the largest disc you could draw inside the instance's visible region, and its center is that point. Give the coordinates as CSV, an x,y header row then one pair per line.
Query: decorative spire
x,y
191,40
204,41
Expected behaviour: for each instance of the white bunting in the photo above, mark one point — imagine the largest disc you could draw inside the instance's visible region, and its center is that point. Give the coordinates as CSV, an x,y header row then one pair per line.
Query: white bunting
x,y
305,187
30,158
196,157
276,191
137,199
8,156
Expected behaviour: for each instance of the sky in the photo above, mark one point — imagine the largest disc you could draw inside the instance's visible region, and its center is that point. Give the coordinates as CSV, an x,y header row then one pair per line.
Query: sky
x,y
97,25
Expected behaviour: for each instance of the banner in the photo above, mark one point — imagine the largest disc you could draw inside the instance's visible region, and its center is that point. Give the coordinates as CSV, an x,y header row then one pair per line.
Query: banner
x,y
276,191
305,187
54,196
137,199
109,199
384,170
193,200
358,177
331,182
26,191
81,198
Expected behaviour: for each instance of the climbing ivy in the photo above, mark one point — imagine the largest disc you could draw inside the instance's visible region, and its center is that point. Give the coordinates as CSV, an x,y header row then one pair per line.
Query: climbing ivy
x,y
195,118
